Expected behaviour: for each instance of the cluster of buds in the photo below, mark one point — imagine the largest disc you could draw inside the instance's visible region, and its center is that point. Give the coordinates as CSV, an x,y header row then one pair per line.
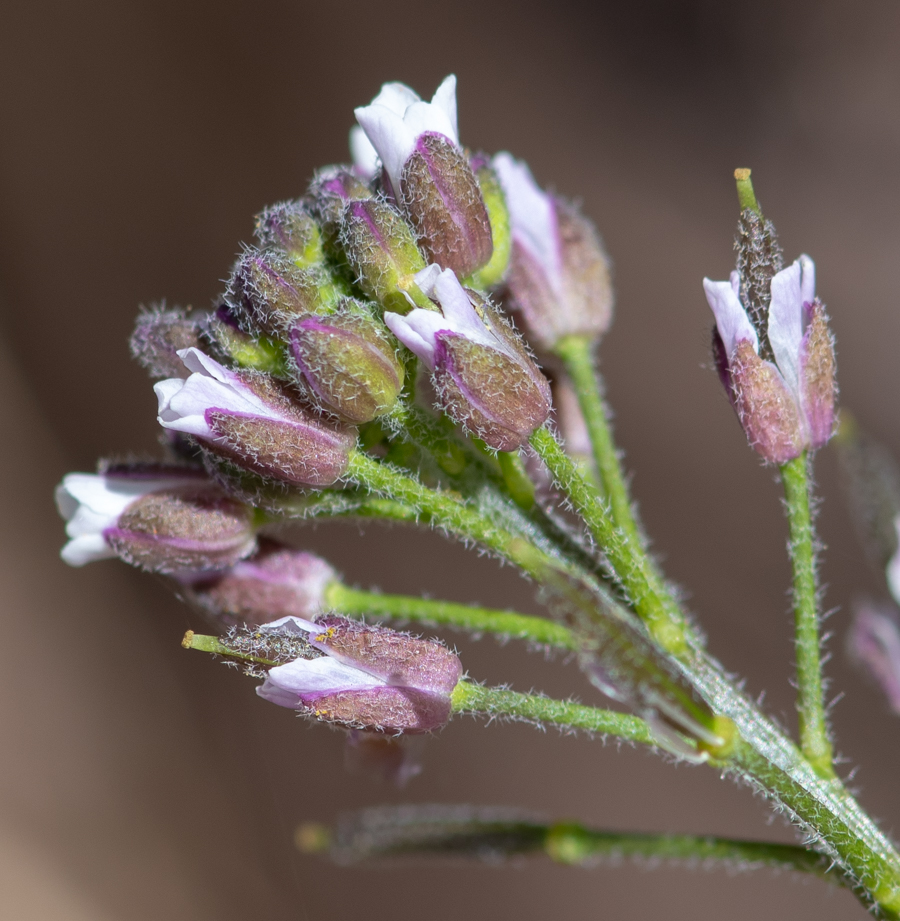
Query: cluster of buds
x,y
772,345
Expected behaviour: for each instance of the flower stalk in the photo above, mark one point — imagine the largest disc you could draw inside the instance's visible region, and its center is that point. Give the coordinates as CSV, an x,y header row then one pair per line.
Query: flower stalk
x,y
814,739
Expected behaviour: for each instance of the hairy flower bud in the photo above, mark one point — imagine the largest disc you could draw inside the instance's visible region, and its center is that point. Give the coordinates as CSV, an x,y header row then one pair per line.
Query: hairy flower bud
x,y
329,193
558,275
349,361
162,518
157,337
429,174
381,250
481,370
367,676
495,270
276,582
267,292
260,353
785,404
288,227
252,420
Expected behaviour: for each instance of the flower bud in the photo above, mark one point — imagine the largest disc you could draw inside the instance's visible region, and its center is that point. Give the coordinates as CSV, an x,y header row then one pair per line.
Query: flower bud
x,y
245,350
483,375
267,292
368,677
276,582
349,361
165,519
429,174
558,276
381,250
157,337
329,193
289,228
251,419
495,201
775,355
874,642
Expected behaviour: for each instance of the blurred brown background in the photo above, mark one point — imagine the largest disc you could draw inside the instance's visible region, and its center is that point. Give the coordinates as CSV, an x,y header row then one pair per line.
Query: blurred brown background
x,y
137,141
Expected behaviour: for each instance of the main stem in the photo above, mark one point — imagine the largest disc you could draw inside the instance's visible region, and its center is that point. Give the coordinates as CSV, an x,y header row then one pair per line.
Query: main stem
x,y
642,583
814,740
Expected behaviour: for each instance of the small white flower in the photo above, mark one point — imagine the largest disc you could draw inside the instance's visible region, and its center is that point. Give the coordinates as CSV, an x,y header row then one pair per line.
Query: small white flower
x,y
792,289
183,404
92,503
365,156
419,329
397,116
532,217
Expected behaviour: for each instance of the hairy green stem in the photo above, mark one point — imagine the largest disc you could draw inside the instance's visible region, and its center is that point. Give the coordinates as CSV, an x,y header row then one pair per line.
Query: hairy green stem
x,y
577,357
641,582
814,740
447,613
546,711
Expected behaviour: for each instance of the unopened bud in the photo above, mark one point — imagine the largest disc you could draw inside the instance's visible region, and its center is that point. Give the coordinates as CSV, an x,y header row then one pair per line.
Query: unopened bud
x,y
257,352
558,277
329,193
276,582
252,420
349,361
429,174
162,518
483,375
267,292
498,213
381,250
361,676
288,227
157,337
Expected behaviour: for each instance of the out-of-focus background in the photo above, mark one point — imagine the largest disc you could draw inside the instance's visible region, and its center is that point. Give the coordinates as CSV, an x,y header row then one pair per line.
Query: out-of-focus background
x,y
137,141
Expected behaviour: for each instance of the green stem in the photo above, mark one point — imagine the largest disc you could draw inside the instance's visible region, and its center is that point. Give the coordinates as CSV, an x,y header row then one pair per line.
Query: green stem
x,y
487,831
571,843
546,711
642,583
576,353
447,613
814,740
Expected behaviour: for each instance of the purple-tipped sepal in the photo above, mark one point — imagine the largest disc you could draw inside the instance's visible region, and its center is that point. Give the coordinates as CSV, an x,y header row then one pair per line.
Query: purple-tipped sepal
x,y
481,370
267,291
348,361
429,174
785,403
274,583
369,677
558,278
329,192
158,336
253,420
874,642
166,519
